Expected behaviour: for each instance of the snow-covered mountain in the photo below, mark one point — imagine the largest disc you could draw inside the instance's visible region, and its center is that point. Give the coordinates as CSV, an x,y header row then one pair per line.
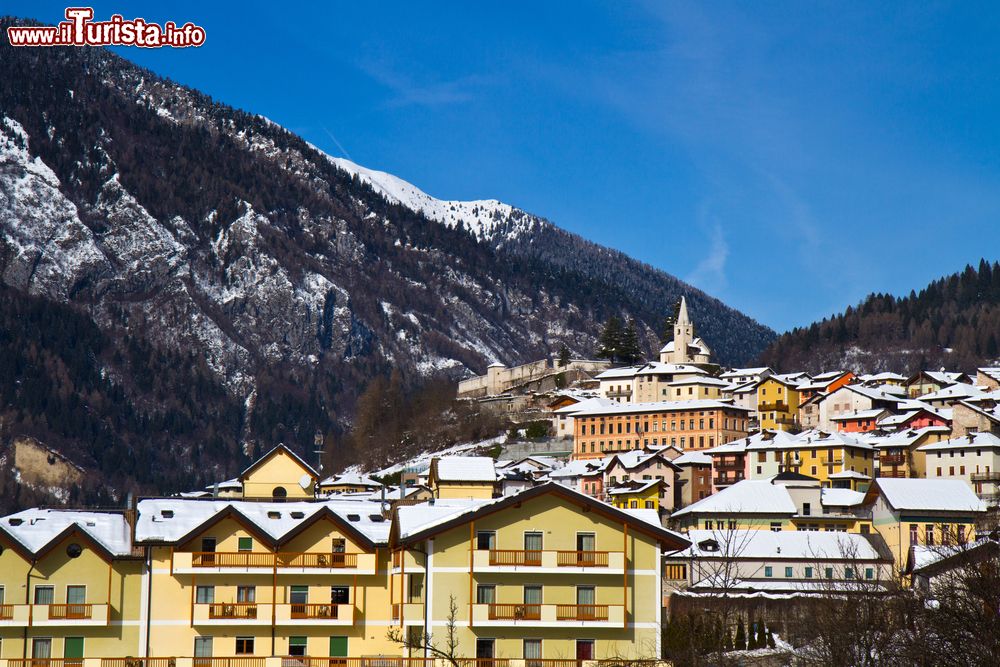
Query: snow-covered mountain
x,y
238,287
487,220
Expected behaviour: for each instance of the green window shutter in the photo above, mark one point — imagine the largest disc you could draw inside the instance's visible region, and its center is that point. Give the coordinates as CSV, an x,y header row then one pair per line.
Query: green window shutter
x,y
246,544
338,647
73,647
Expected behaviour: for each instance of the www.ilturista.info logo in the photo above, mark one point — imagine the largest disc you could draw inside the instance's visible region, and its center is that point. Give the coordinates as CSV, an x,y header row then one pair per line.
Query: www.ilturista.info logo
x,y
79,29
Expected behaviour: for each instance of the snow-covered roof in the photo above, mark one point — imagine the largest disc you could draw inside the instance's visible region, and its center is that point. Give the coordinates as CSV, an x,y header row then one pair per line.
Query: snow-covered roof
x,y
840,497
413,519
638,487
693,457
35,529
749,496
660,368
661,406
586,404
697,344
580,467
847,474
464,469
859,414
350,479
955,392
744,372
633,458
773,545
618,373
171,519
984,440
946,495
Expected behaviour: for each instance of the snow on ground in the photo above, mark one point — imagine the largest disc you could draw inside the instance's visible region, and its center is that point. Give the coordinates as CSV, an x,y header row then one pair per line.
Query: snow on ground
x,y
423,460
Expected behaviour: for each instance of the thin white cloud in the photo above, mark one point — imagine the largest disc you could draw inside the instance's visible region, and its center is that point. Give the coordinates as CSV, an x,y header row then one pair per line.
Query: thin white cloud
x,y
710,273
406,90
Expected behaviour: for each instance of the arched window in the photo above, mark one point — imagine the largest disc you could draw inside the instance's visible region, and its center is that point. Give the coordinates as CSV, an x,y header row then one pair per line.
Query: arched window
x,y
279,493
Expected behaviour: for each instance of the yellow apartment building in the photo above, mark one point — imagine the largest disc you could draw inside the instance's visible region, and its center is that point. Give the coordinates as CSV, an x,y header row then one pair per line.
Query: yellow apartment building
x,y
228,582
778,401
547,574
70,585
835,459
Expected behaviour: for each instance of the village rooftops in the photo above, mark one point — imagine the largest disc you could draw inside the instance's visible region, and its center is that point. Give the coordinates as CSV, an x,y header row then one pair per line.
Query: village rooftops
x,y
693,457
420,521
859,414
911,494
830,497
634,487
37,530
800,545
749,496
463,469
661,406
969,441
173,520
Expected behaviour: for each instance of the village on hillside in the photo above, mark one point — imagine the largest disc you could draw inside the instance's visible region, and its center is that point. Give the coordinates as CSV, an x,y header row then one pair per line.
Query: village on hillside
x,y
675,508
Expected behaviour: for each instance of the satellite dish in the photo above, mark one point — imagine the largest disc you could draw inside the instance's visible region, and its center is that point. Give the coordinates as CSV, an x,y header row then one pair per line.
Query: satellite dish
x,y
305,481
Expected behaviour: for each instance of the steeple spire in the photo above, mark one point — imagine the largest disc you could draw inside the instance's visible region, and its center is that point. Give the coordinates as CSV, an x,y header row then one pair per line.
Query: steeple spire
x,y
682,315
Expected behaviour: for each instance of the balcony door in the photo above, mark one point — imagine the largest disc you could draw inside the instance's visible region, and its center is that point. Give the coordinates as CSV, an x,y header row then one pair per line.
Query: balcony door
x,y
298,598
485,649
73,651
584,649
585,599
202,651
208,550
76,602
585,543
44,594
41,648
533,547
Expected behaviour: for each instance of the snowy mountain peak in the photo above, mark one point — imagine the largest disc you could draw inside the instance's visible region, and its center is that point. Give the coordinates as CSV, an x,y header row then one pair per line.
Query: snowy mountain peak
x,y
485,219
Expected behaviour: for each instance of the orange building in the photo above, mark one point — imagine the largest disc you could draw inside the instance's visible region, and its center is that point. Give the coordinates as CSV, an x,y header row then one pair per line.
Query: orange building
x,y
697,424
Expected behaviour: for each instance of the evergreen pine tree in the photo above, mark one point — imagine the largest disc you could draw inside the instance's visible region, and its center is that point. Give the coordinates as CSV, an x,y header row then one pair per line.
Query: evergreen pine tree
x,y
741,637
610,341
630,351
770,638
563,356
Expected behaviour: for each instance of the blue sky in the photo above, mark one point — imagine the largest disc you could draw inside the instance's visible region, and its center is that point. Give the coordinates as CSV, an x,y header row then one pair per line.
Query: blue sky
x,y
788,158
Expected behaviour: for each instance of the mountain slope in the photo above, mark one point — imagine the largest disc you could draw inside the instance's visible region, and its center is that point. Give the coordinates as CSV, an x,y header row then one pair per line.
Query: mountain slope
x,y
232,252
953,322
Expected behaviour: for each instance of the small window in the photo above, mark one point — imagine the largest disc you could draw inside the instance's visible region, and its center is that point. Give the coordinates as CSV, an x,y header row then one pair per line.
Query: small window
x,y
340,595
297,515
203,647
297,646
869,573
44,595
768,571
788,572
274,515
808,573
204,594
486,540
74,550
167,514
244,646
245,544
829,573
354,517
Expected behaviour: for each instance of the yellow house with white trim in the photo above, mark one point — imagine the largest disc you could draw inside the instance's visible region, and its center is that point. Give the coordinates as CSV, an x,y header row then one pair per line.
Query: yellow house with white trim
x,y
778,401
223,582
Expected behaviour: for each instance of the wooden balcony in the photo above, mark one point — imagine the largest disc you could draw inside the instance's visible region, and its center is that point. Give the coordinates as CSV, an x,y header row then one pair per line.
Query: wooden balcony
x,y
69,614
778,406
324,613
985,476
547,615
139,662
515,612
729,462
726,480
237,661
231,613
44,662
262,562
374,661
500,560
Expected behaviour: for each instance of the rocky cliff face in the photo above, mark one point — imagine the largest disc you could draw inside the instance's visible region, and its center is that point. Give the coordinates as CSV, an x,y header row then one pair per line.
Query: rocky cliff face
x,y
223,245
